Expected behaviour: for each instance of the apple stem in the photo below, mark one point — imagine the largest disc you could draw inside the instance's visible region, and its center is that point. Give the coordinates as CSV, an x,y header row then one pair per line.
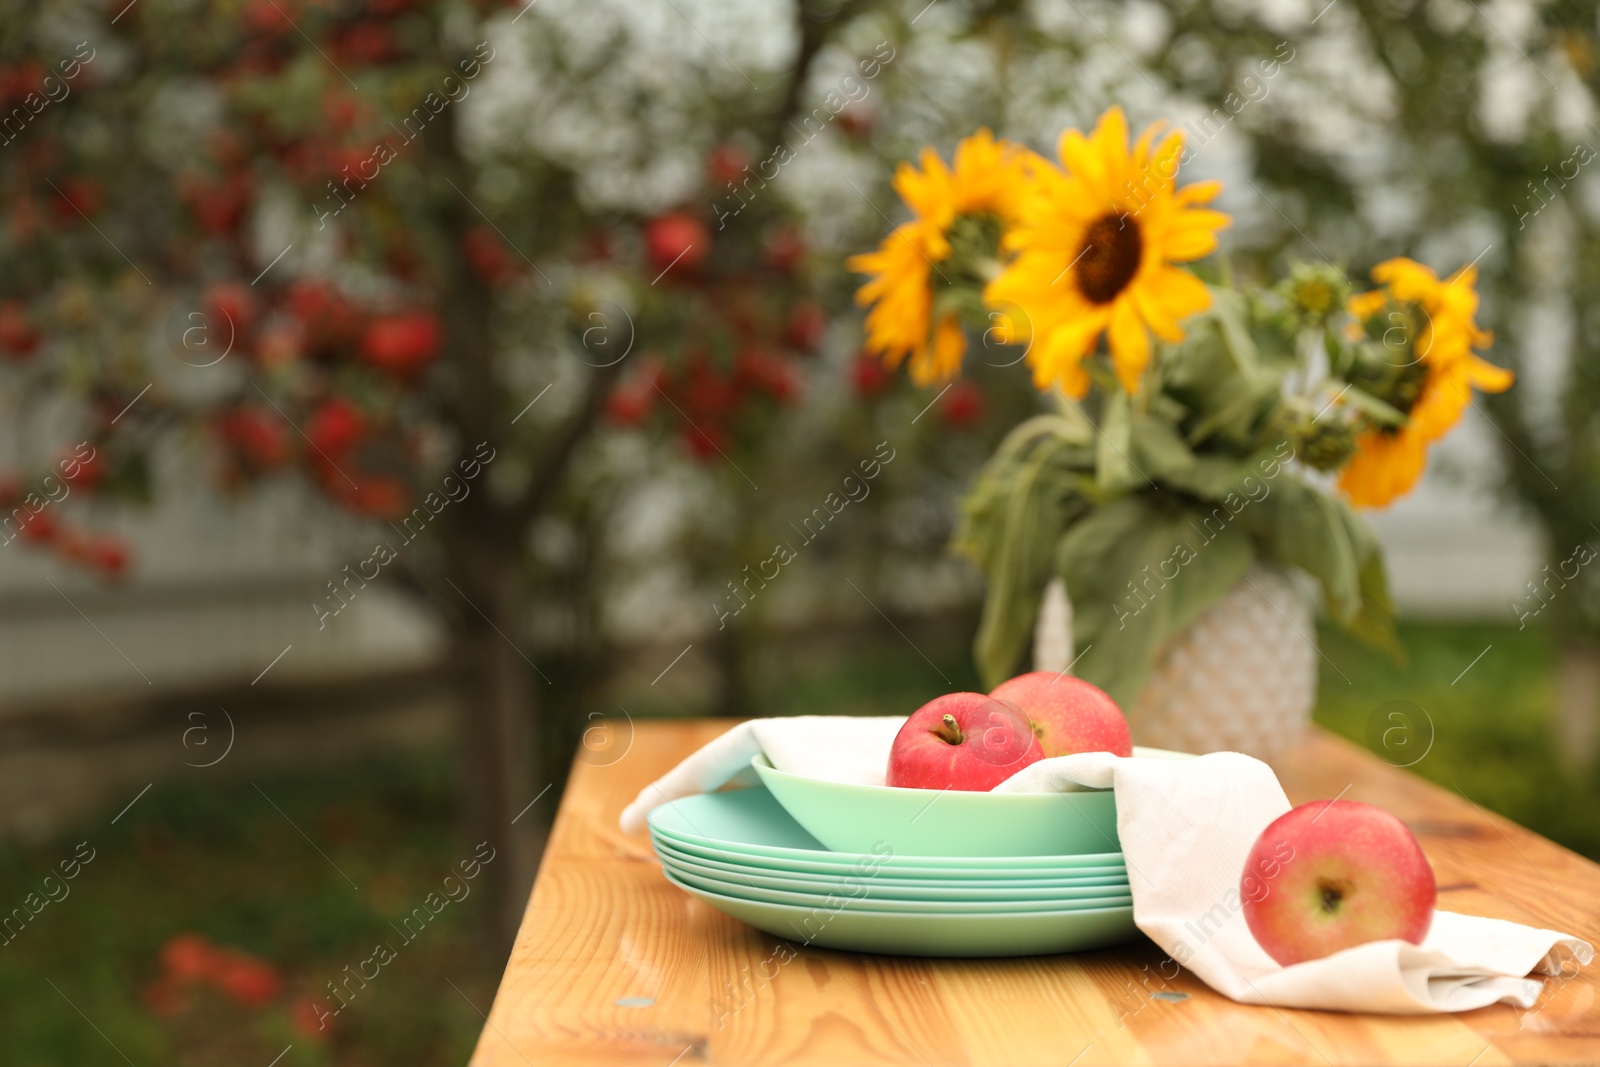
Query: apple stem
x,y
948,730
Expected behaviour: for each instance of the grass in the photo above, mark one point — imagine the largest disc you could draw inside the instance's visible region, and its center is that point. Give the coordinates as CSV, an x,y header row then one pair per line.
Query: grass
x,y
1487,695
216,858
220,861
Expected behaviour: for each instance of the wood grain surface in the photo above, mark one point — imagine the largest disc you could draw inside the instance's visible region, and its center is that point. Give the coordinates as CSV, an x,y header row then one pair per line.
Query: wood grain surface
x,y
614,965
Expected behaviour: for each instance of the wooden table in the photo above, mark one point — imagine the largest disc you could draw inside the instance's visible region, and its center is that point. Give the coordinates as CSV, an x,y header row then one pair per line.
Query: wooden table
x,y
614,965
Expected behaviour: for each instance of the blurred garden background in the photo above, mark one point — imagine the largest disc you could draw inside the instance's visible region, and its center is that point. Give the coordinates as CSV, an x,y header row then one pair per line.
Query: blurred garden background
x,y
396,397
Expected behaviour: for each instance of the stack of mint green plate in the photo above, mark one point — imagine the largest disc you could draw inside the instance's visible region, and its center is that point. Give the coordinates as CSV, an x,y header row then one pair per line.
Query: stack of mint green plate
x,y
744,854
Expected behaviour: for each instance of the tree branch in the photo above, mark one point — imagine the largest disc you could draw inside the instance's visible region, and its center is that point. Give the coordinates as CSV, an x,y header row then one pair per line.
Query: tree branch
x,y
815,30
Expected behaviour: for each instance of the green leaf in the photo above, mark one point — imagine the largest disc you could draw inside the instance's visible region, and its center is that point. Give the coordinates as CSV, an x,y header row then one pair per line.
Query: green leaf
x,y
1230,311
1138,571
1240,411
1219,375
1210,477
1158,448
1374,623
1372,407
1303,527
1114,466
1036,484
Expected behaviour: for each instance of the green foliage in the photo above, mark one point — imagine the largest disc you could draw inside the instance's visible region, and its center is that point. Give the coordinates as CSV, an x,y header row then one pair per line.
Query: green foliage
x,y
215,859
1144,545
1034,487
1491,728
1158,514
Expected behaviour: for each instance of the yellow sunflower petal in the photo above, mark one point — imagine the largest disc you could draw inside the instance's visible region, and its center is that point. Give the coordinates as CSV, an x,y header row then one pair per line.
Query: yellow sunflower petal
x,y
1386,466
1130,344
1158,315
1057,356
1406,278
1078,155
1181,293
1198,193
1488,377
1445,396
1110,136
1194,236
1164,160
1365,305
926,192
940,361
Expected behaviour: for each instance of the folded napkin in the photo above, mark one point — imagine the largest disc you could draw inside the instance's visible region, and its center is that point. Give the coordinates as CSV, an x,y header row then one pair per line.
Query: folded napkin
x,y
1186,827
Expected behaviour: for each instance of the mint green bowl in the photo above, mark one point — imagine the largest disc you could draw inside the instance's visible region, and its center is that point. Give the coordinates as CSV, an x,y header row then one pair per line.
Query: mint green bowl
x,y
749,826
927,822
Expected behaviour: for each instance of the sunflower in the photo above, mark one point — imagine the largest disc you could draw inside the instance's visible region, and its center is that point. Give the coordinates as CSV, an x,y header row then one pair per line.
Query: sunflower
x,y
982,190
1095,249
1433,388
1446,307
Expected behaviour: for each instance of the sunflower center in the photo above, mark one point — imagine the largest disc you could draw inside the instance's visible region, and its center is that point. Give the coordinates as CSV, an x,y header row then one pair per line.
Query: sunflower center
x,y
1112,247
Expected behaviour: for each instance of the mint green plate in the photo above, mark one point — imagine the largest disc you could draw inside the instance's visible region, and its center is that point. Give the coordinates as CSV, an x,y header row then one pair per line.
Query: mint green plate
x,y
750,824
971,888
951,822
1034,933
882,889
864,899
826,863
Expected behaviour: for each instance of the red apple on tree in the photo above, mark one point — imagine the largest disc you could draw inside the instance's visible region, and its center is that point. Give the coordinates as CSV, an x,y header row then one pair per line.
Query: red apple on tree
x,y
677,241
402,344
961,741
1345,873
17,335
1068,714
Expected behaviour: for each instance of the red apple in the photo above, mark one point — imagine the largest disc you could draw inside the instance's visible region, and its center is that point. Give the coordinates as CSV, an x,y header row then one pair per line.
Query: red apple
x,y
807,326
1068,714
678,242
17,335
336,427
869,377
965,407
961,741
1332,874
402,344
726,164
231,307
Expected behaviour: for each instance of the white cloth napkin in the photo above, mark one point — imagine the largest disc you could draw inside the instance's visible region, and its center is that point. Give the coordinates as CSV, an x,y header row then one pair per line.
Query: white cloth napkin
x,y
1186,827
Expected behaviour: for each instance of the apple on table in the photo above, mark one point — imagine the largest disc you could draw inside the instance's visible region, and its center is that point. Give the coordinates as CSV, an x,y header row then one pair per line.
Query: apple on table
x,y
1330,875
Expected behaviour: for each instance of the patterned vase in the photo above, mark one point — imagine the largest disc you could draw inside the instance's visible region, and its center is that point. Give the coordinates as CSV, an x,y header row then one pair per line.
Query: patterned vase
x,y
1241,678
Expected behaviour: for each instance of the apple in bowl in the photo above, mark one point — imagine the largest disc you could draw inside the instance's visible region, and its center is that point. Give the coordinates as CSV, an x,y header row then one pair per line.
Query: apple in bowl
x,y
1330,875
965,741
1068,714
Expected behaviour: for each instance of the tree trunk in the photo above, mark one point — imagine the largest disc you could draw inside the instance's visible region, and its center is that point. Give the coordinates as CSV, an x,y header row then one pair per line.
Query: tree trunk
x,y
497,723
1578,709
